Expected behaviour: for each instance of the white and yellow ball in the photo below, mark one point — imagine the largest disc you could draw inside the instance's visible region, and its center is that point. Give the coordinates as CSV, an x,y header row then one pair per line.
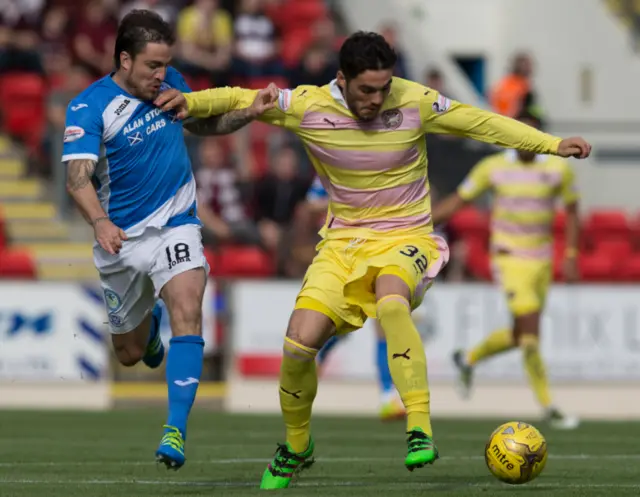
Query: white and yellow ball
x,y
516,453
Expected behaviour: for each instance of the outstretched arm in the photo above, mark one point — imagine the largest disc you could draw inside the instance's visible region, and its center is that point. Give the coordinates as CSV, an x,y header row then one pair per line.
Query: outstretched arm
x,y
270,105
442,115
221,125
220,110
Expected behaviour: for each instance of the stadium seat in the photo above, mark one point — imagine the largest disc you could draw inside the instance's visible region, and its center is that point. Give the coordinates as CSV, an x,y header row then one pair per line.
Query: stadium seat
x,y
478,262
559,224
629,270
617,248
241,261
22,99
606,224
17,265
294,45
470,223
597,267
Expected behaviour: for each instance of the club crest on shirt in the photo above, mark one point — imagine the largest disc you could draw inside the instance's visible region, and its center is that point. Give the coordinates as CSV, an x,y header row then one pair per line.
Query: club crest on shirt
x,y
392,118
164,86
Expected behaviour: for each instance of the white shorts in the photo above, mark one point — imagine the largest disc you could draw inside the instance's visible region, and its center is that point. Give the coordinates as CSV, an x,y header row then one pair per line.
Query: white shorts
x,y
132,280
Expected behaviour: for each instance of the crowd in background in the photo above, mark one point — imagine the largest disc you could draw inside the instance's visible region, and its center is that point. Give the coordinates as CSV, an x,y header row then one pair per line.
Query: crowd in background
x,y
253,184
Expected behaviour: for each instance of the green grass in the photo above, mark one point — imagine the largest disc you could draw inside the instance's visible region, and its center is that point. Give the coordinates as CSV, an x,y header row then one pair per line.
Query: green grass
x,y
111,454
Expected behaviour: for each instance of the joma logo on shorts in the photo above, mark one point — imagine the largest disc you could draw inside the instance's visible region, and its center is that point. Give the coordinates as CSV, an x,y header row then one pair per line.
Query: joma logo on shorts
x,y
501,457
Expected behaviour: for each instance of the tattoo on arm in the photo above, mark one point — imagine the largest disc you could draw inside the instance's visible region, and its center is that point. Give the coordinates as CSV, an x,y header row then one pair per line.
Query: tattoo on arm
x,y
222,124
79,173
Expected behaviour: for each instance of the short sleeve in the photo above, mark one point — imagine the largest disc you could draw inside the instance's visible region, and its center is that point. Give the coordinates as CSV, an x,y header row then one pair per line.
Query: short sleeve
x,y
477,181
568,189
83,132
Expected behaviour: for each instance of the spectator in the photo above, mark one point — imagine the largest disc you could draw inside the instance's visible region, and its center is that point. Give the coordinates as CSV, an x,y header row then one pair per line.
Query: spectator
x,y
55,44
508,97
221,205
317,67
19,35
205,36
389,32
256,45
434,78
163,8
325,33
94,39
277,196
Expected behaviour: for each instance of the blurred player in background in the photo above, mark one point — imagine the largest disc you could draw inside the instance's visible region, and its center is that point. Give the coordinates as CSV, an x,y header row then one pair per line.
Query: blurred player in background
x,y
526,187
364,133
148,242
390,404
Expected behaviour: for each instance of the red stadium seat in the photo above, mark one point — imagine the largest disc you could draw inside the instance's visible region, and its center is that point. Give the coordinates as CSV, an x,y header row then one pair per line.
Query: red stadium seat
x,y
619,248
240,261
22,99
629,270
607,224
16,264
478,261
294,45
559,224
470,223
599,267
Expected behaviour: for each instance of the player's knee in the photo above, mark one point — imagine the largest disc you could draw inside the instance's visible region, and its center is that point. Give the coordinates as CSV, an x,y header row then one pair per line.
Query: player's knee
x,y
390,307
309,328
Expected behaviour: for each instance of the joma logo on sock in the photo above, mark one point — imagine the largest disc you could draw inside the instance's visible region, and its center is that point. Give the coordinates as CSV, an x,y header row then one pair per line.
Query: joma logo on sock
x,y
187,382
502,458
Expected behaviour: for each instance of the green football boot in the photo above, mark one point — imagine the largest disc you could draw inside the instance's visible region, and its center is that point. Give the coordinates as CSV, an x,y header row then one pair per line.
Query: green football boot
x,y
285,465
422,450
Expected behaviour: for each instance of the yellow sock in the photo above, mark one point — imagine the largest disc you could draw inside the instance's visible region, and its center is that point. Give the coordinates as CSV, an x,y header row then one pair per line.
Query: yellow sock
x,y
298,387
407,360
534,366
499,341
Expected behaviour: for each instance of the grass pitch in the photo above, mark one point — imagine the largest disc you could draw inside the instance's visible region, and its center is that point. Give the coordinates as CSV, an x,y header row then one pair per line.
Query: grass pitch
x,y
71,454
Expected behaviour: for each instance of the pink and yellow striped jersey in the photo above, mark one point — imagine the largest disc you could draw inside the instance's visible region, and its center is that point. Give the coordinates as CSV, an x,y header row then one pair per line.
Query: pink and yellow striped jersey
x,y
375,172
525,197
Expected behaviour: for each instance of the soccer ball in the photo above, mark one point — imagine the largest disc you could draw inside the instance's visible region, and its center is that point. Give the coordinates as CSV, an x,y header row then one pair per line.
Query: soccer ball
x,y
516,453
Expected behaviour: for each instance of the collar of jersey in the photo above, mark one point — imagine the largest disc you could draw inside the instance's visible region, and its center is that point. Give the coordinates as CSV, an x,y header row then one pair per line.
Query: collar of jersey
x,y
512,156
336,93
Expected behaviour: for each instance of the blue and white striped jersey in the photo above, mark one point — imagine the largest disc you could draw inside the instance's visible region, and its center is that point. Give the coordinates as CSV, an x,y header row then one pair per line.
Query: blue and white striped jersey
x,y
146,178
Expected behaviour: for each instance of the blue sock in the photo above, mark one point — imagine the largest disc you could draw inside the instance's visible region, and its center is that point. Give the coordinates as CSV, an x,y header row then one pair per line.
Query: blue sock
x,y
184,368
328,346
384,375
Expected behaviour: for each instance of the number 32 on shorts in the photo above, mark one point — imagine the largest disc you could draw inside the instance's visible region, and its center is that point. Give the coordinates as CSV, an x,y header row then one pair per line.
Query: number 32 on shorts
x,y
177,254
420,261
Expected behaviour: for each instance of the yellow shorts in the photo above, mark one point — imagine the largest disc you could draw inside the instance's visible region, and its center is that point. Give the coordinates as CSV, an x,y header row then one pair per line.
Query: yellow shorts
x,y
525,282
340,282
